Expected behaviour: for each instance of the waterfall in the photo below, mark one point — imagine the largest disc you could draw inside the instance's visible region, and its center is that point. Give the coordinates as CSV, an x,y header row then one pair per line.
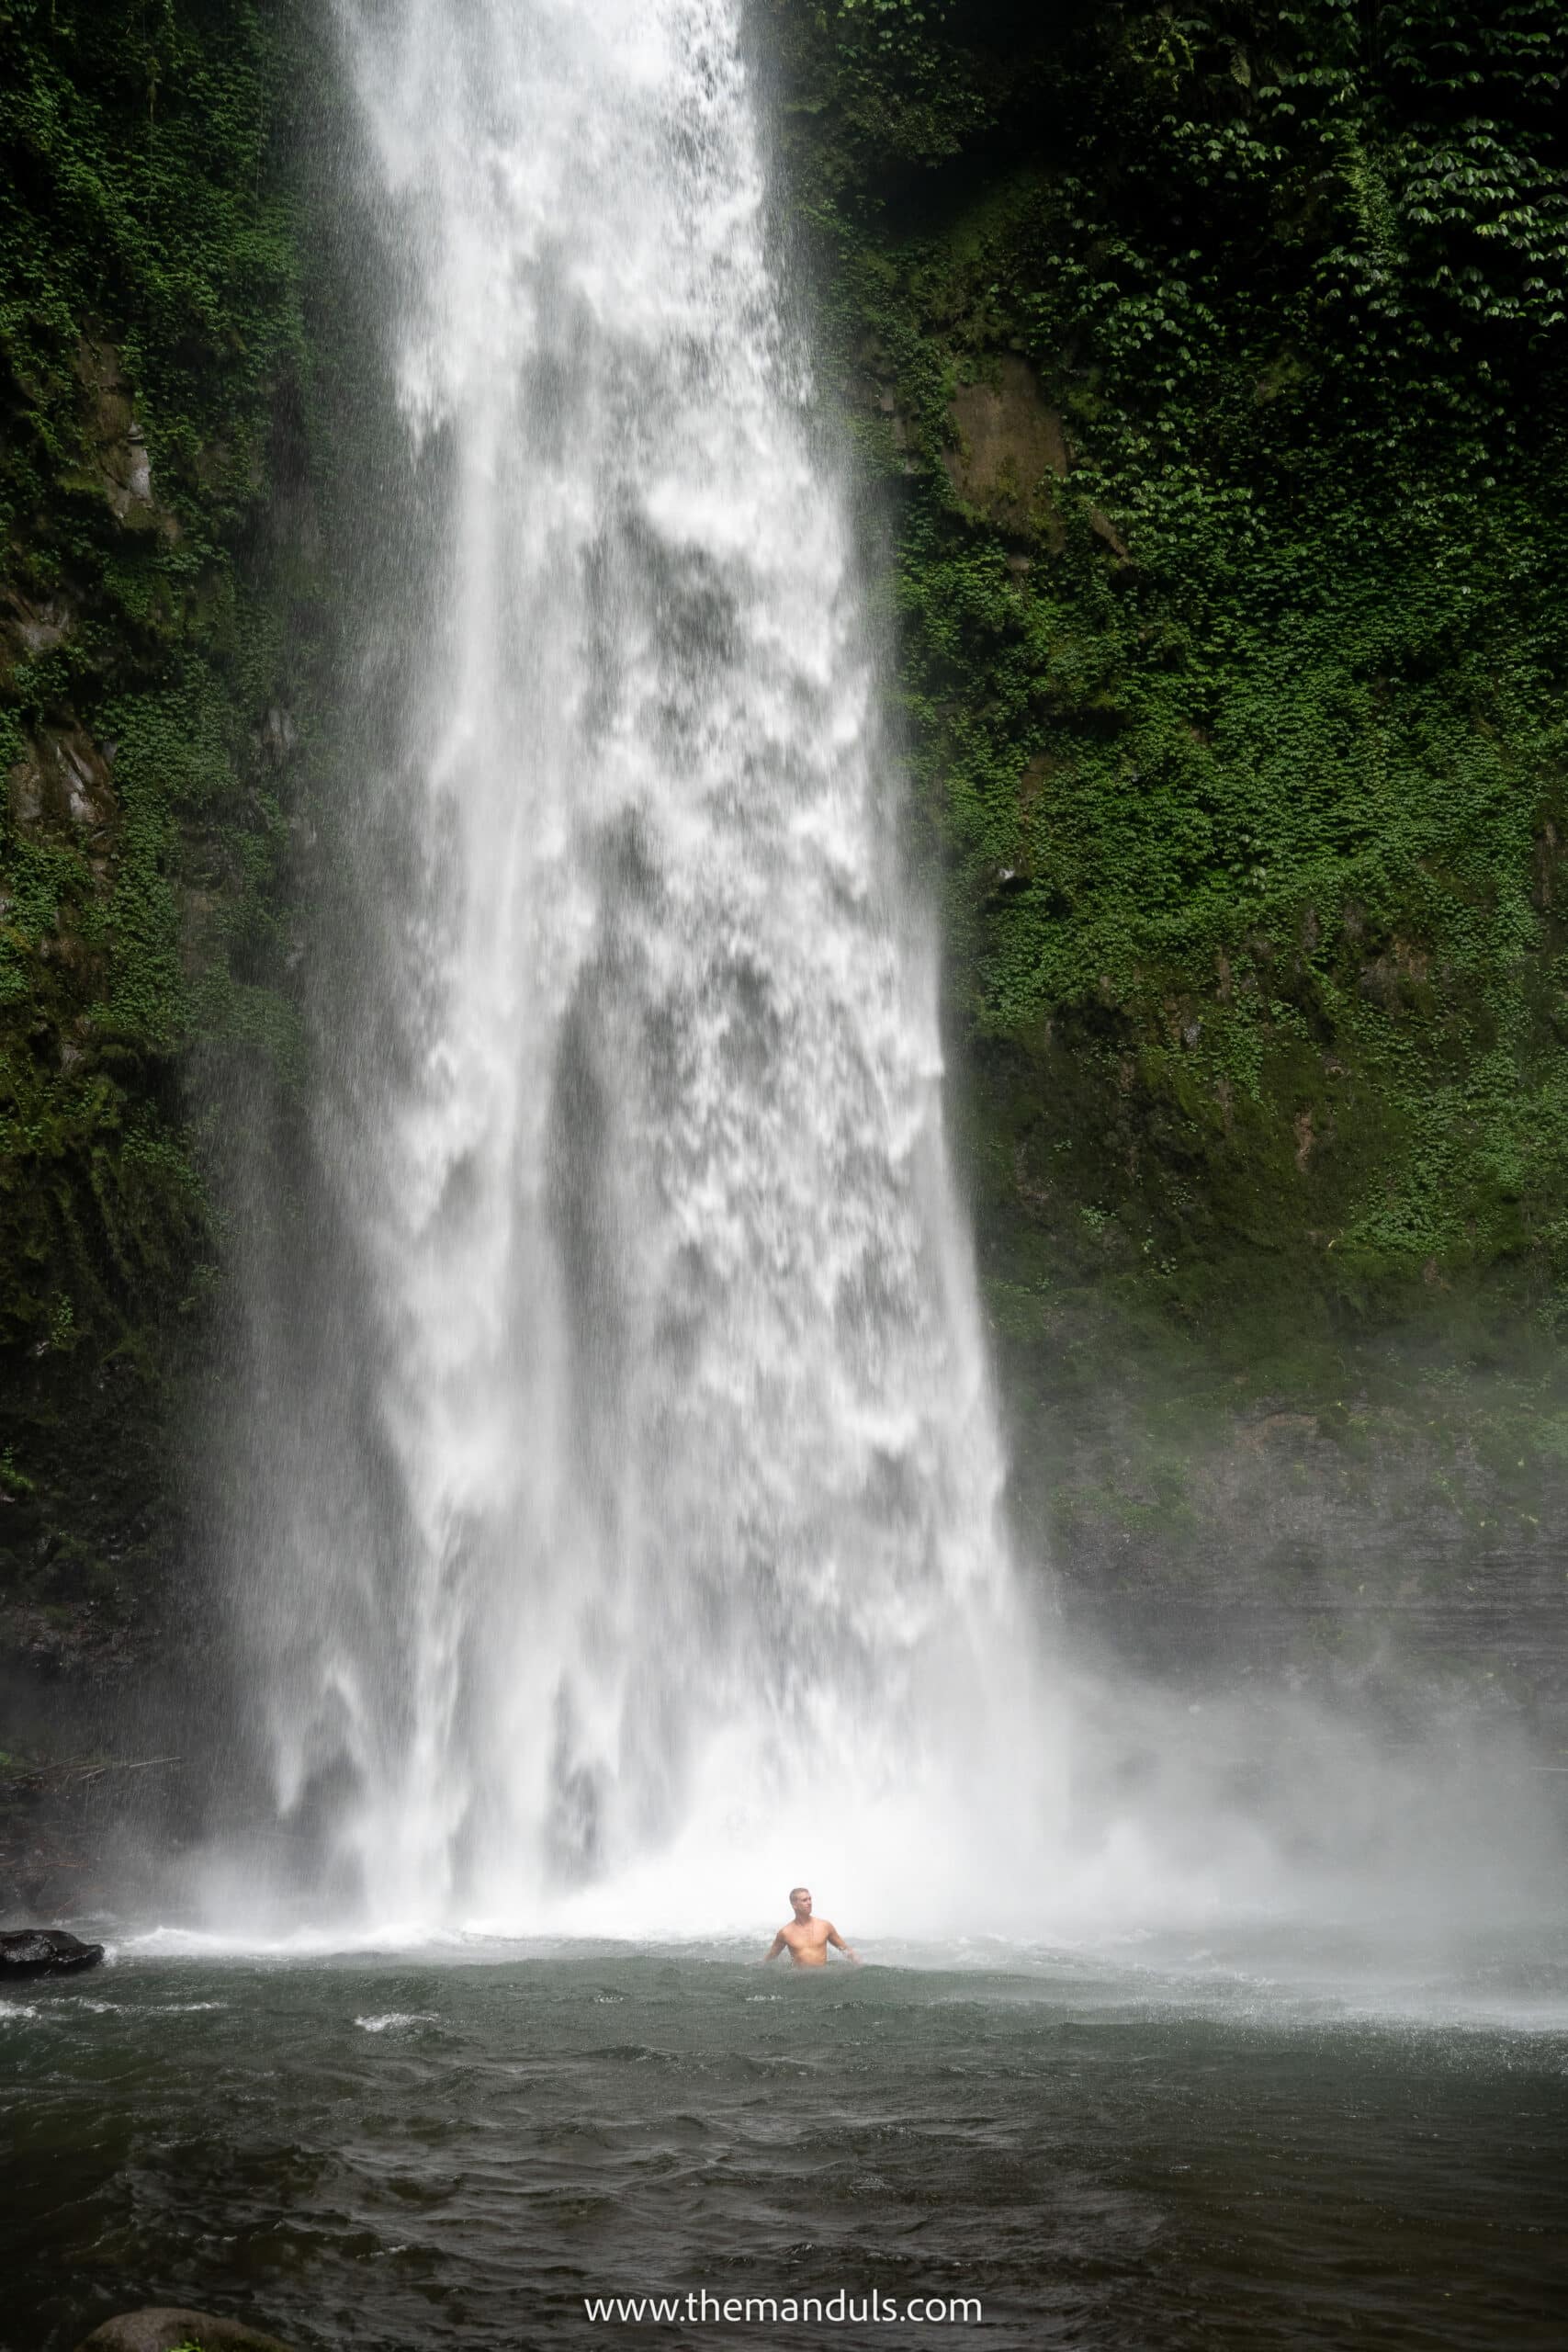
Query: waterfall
x,y
638,1511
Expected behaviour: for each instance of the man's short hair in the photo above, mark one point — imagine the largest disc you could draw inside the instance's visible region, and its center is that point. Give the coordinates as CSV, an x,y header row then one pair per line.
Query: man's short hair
x,y
799,1890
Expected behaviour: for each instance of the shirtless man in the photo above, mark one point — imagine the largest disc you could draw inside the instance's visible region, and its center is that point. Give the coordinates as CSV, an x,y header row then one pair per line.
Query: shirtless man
x,y
806,1939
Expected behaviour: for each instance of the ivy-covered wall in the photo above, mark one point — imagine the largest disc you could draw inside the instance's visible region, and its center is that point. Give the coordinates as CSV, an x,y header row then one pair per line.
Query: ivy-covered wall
x,y
151,359
1212,359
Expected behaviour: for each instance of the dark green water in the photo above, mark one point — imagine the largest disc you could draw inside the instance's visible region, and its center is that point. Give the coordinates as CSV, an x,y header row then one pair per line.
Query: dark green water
x,y
386,2153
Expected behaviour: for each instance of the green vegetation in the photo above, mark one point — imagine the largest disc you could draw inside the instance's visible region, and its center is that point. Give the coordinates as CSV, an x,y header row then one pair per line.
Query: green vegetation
x,y
1213,362
1216,360
152,347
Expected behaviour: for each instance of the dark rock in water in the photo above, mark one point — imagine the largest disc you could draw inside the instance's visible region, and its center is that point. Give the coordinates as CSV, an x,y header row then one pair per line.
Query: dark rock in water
x,y
163,2330
45,1951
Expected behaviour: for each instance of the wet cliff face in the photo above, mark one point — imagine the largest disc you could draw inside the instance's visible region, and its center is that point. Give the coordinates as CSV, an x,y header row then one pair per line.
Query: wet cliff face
x,y
1213,362
1210,365
152,353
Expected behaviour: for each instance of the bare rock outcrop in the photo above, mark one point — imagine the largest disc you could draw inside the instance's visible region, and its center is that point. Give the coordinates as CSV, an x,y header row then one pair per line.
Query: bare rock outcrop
x,y
45,1951
63,786
116,438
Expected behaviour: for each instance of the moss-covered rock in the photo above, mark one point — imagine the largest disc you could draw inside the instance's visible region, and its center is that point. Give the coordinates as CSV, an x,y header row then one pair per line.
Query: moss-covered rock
x,y
1214,364
150,353
167,2330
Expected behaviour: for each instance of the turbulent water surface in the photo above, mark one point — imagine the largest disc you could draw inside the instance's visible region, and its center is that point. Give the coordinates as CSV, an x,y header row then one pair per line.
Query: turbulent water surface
x,y
381,2155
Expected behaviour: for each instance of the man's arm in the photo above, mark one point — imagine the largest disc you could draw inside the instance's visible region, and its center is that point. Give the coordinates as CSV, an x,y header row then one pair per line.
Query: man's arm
x,y
848,1950
774,1948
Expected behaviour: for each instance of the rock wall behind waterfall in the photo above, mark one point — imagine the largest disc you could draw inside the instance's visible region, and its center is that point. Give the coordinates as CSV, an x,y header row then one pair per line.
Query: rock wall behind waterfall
x,y
155,586
1214,370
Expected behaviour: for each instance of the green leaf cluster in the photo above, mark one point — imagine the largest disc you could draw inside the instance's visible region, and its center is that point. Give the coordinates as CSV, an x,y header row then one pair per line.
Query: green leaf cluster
x,y
151,352
1214,361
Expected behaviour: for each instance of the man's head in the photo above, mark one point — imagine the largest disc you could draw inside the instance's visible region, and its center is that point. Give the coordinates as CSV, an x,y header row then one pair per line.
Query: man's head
x,y
800,1902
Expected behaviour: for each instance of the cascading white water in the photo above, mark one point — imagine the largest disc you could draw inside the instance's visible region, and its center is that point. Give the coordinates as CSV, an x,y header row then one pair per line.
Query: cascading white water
x,y
648,1505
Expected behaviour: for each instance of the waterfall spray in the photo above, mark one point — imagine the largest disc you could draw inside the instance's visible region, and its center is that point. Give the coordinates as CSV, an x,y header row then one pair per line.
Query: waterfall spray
x,y
645,1504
